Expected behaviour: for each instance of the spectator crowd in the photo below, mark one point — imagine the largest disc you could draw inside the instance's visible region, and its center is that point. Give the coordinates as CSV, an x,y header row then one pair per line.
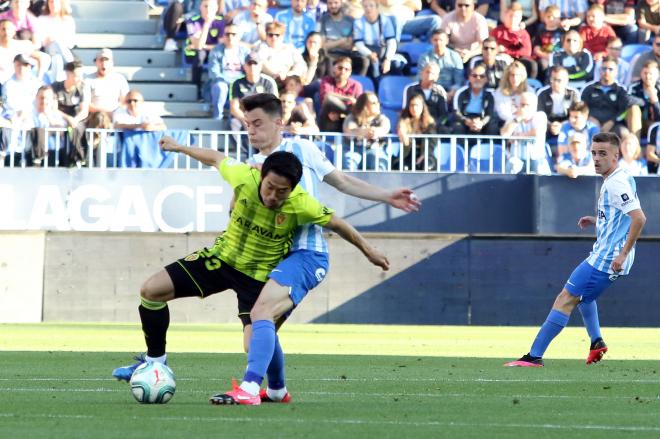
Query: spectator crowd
x,y
549,70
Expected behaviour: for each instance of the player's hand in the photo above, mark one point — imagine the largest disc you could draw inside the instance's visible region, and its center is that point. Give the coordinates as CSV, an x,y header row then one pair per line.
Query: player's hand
x,y
404,199
378,259
168,143
586,221
617,263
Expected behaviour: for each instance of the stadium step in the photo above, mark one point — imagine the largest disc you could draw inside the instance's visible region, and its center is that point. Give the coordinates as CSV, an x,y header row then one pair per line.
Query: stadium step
x,y
178,109
126,57
109,10
119,41
150,74
192,123
127,27
167,91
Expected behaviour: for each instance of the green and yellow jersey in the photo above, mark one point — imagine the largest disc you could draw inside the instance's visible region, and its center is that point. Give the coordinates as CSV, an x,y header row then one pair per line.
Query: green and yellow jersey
x,y
257,238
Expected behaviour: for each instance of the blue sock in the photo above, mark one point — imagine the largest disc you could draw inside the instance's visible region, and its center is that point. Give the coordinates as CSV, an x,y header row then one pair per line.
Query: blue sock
x,y
589,313
261,350
554,323
276,379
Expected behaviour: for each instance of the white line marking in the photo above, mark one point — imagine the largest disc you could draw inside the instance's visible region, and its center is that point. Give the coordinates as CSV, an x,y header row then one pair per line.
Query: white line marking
x,y
412,380
356,394
289,420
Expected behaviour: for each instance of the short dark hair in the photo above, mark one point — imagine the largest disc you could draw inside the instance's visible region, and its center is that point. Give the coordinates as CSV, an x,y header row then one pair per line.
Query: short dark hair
x,y
609,58
73,65
341,59
269,103
580,106
610,138
284,164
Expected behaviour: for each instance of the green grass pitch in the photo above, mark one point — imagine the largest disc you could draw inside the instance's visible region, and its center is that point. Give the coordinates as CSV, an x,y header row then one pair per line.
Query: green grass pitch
x,y
347,381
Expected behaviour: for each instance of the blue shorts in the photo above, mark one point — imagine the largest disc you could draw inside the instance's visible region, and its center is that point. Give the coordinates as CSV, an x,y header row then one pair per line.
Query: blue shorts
x,y
301,271
587,283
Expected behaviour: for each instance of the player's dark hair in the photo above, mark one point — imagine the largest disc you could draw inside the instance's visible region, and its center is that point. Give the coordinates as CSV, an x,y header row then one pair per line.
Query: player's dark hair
x,y
284,164
610,138
269,103
73,65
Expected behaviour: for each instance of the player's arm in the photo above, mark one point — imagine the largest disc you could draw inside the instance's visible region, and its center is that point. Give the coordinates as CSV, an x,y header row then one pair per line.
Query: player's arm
x,y
209,157
638,219
401,198
348,233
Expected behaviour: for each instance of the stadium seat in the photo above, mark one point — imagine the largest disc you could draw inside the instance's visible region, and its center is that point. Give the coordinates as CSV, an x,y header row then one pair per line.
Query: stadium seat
x,y
630,50
480,158
652,135
393,116
535,84
443,154
390,91
367,83
413,51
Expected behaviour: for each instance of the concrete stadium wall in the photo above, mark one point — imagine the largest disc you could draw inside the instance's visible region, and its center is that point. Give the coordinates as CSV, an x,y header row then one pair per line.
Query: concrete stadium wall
x,y
435,279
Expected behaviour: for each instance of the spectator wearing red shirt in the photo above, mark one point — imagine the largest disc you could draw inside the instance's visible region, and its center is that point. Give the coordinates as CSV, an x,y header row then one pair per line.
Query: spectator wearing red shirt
x,y
514,40
596,34
338,94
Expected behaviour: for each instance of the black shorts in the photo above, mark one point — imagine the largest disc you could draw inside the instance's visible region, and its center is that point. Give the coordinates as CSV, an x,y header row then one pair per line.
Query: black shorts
x,y
202,274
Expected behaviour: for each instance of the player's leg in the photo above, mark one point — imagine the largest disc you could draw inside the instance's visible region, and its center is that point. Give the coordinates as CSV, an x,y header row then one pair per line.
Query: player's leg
x,y
597,346
155,318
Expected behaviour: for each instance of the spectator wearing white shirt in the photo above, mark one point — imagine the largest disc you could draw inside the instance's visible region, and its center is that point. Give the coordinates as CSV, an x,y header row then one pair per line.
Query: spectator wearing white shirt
x,y
279,58
526,121
134,118
106,89
577,161
10,47
631,159
56,31
46,115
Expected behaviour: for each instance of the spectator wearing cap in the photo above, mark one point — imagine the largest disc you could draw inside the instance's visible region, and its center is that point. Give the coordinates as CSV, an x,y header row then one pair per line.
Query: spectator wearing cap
x,y
252,22
338,93
225,66
106,89
134,117
203,31
56,34
577,161
19,92
298,24
280,59
466,28
253,82
23,19
449,62
73,102
10,47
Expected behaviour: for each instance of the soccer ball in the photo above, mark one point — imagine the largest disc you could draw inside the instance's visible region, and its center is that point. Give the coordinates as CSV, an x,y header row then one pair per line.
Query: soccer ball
x,y
153,383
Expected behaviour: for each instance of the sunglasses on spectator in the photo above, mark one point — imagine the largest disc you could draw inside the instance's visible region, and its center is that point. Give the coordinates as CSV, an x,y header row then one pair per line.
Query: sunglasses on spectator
x,y
656,43
273,35
463,5
478,75
132,101
607,69
231,34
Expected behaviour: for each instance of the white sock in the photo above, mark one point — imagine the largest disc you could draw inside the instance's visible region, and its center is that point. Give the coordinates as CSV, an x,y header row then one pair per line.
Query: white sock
x,y
250,387
161,359
276,395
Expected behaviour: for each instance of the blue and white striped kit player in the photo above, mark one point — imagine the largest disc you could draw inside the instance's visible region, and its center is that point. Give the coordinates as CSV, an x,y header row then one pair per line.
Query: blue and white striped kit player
x,y
307,263
618,197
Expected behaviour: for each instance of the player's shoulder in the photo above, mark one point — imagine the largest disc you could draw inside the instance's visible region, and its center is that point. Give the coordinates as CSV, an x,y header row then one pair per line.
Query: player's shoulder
x,y
620,179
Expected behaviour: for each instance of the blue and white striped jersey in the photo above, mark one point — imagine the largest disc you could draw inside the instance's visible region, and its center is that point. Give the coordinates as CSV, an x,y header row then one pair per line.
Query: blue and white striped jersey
x,y
315,167
618,197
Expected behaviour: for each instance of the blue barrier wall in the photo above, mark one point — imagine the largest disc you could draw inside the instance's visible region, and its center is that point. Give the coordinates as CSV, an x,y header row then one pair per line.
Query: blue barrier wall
x,y
488,280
